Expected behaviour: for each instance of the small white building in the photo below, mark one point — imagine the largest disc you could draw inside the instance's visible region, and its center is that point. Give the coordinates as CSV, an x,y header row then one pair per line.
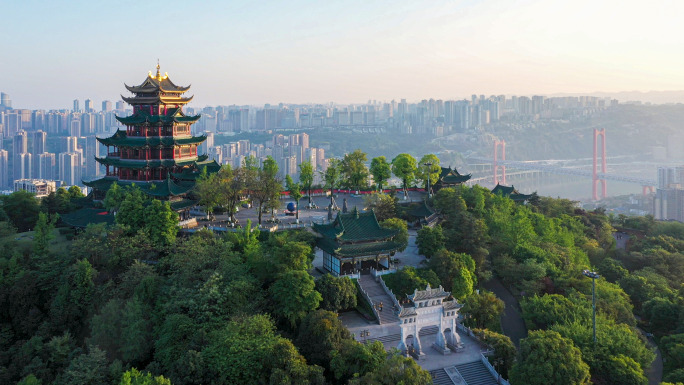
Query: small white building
x,y
40,187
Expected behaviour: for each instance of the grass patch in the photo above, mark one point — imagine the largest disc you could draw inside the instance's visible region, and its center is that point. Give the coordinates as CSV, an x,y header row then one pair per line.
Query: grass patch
x,y
24,241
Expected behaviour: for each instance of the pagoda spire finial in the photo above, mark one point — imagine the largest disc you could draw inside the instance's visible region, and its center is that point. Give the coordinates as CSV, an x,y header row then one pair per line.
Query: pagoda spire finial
x,y
158,73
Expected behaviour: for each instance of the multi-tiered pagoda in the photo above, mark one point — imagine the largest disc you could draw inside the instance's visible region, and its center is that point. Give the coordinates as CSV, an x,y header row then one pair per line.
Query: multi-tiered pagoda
x,y
156,151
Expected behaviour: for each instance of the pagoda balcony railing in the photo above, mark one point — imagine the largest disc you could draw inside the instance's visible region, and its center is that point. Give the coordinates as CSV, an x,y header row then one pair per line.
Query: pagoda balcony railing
x,y
114,154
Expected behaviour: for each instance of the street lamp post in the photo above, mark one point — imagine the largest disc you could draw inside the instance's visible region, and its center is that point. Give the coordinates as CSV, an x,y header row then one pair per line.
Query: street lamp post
x,y
428,165
593,275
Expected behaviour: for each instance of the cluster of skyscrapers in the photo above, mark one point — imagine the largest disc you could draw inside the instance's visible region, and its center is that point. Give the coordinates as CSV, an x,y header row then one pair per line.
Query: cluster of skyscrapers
x,y
61,144
432,117
55,145
669,197
288,151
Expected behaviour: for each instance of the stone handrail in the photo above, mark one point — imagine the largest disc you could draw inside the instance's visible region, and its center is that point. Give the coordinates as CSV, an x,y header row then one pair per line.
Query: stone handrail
x,y
483,355
390,293
493,371
370,302
377,273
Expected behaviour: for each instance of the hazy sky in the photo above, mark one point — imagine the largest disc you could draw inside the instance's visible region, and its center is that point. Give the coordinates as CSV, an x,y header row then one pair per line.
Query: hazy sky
x,y
253,52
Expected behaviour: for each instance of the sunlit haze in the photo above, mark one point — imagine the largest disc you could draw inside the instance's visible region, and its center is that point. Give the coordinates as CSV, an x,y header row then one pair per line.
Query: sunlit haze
x,y
255,52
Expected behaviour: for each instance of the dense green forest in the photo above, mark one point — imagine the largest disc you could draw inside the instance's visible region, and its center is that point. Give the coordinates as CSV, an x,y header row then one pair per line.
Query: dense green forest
x,y
134,302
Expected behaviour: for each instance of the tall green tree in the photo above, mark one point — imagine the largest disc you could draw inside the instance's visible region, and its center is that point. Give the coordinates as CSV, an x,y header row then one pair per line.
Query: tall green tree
x,y
332,176
449,266
43,234
115,195
396,369
231,188
433,171
381,171
161,222
86,369
404,167
22,208
353,169
266,186
430,240
384,205
484,310
134,377
295,190
547,358
504,349
207,189
402,237
306,177
338,293
294,295
356,359
320,334
132,210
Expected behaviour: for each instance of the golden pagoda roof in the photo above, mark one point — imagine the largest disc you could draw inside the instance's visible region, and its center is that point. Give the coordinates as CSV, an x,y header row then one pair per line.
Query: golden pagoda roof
x,y
157,83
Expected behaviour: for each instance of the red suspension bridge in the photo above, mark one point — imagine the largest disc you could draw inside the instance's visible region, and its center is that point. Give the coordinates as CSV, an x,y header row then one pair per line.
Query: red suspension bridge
x,y
598,176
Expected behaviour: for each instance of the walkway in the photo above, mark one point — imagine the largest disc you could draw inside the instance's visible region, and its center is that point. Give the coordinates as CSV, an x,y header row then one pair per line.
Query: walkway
x,y
621,239
512,322
379,296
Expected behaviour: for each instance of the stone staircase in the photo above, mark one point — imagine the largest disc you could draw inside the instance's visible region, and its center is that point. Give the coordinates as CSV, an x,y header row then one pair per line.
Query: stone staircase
x,y
475,373
397,336
440,377
377,294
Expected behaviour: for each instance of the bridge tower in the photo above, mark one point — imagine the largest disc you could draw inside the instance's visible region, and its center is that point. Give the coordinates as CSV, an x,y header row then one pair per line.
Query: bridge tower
x,y
499,144
595,176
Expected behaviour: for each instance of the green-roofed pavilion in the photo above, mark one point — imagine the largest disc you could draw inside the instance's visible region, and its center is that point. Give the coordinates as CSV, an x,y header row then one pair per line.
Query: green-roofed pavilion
x,y
449,177
355,241
510,192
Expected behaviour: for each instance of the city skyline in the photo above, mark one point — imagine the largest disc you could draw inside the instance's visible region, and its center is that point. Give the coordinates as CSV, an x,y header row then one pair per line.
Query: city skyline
x,y
245,53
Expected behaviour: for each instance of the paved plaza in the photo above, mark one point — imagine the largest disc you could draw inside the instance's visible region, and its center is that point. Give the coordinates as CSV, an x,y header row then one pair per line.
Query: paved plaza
x,y
390,334
305,215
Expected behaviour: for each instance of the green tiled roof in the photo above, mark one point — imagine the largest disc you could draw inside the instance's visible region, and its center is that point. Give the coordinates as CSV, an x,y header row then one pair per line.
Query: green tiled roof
x,y
85,216
504,190
348,250
120,139
173,115
449,179
152,163
182,204
356,234
451,176
354,227
421,211
510,192
163,188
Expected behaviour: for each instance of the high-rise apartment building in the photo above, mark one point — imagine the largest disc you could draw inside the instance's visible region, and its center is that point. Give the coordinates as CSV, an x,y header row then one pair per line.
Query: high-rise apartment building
x,y
38,140
92,150
304,140
24,166
5,101
69,144
4,169
89,105
46,165
77,107
70,168
106,106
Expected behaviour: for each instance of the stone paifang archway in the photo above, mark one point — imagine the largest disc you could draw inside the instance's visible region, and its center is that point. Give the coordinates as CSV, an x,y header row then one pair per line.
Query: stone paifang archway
x,y
430,309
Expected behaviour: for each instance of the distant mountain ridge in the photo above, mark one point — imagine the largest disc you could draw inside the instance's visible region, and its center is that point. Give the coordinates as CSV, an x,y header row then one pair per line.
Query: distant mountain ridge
x,y
654,97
